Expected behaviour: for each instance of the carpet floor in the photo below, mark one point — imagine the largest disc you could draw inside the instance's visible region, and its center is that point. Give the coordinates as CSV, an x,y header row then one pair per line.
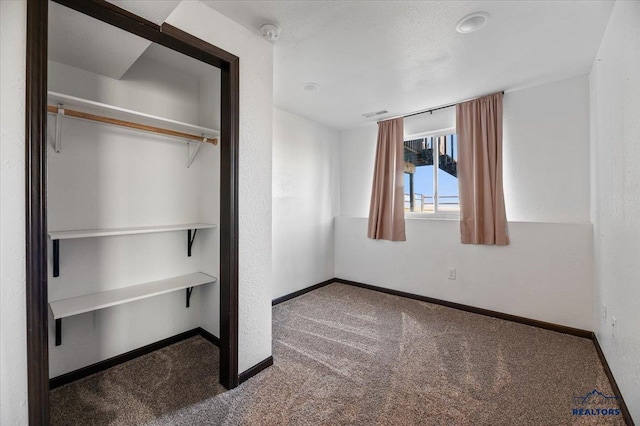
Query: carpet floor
x,y
346,355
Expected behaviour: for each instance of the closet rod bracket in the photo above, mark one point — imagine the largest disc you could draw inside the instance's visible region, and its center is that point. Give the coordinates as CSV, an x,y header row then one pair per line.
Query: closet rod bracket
x,y
190,239
189,291
195,152
58,142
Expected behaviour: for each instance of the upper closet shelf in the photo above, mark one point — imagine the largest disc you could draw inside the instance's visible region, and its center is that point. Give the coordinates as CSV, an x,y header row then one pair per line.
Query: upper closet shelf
x,y
70,106
90,233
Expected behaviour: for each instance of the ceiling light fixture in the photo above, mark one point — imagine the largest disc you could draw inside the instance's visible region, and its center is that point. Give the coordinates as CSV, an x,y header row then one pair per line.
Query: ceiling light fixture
x,y
472,22
270,31
310,87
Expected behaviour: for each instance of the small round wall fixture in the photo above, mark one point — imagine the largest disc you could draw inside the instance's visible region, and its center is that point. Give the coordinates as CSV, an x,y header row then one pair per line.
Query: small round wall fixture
x,y
270,31
472,22
310,87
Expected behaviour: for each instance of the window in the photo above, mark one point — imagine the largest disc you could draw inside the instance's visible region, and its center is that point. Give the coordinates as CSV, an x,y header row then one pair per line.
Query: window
x,y
431,181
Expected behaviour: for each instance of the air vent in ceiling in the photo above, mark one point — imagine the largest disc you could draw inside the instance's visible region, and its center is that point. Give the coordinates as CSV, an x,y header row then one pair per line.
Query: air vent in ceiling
x,y
373,114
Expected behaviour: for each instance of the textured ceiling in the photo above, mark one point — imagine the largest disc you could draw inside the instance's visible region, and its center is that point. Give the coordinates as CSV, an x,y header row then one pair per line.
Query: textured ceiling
x,y
407,56
369,56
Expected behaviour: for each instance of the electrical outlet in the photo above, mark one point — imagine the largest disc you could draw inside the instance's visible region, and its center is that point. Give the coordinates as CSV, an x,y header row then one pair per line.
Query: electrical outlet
x,y
452,273
604,311
614,325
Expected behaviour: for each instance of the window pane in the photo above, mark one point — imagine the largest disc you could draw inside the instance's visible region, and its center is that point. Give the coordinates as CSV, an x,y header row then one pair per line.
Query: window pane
x,y
407,204
424,189
419,167
420,155
448,197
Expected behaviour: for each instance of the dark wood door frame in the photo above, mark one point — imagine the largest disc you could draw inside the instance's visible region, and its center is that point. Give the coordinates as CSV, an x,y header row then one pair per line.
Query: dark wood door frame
x,y
36,184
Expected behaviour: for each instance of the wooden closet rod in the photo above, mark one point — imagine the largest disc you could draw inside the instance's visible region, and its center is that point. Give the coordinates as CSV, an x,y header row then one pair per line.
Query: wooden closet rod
x,y
130,124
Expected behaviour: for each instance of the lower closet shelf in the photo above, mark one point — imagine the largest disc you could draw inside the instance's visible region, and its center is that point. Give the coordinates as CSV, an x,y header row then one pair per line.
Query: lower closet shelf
x,y
104,299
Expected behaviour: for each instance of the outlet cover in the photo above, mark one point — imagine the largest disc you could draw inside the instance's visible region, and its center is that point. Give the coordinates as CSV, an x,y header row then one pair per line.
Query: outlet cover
x,y
452,273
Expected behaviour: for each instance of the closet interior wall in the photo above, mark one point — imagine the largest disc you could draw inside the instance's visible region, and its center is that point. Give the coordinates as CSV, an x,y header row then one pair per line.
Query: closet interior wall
x,y
110,177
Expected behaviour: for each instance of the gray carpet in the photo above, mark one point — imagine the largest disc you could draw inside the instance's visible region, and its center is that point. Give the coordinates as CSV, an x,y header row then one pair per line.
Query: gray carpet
x,y
345,355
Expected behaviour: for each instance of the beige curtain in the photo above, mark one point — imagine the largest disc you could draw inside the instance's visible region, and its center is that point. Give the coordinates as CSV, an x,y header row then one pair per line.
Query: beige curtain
x,y
483,219
386,214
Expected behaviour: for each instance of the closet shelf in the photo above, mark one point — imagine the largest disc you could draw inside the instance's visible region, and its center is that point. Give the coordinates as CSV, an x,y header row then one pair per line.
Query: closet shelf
x,y
92,302
71,106
107,232
56,236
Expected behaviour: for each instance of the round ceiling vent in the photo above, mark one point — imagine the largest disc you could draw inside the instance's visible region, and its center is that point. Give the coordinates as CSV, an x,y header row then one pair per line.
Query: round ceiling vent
x,y
270,31
472,22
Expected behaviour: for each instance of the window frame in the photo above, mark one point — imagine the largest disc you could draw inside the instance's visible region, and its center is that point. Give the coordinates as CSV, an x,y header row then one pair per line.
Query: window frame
x,y
437,215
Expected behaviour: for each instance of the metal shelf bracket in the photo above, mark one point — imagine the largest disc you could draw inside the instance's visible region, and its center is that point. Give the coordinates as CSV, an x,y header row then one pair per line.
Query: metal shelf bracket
x,y
190,238
56,258
58,331
58,142
189,291
195,152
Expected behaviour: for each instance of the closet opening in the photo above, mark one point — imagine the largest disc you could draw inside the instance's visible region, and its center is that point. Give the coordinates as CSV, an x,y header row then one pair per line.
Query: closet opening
x,y
132,197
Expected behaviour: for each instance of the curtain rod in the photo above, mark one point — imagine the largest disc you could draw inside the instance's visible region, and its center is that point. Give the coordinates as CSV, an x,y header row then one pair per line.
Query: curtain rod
x,y
436,108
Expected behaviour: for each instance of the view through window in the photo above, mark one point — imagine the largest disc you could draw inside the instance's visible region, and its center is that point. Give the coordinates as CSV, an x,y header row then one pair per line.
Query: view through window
x,y
431,175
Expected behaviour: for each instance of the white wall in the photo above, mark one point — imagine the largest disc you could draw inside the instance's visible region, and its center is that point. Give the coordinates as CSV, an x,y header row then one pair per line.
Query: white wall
x,y
305,201
546,152
209,92
207,243
544,274
615,106
357,157
109,177
256,118
546,164
13,344
147,87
